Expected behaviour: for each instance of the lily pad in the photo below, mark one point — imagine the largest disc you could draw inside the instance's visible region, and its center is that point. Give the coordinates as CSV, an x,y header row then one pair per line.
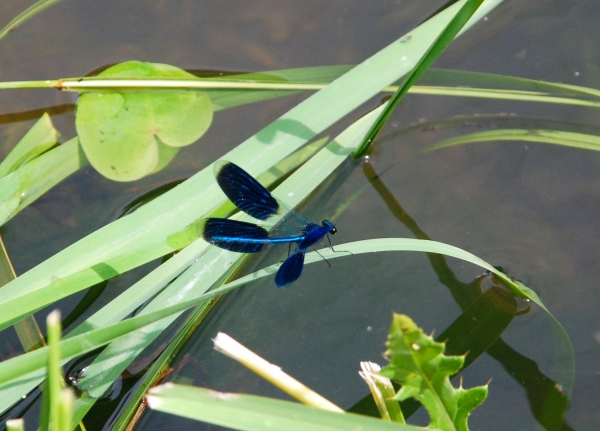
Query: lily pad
x,y
131,134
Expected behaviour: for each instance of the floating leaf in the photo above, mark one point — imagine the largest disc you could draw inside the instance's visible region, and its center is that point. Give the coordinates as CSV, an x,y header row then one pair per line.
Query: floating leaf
x,y
129,135
418,363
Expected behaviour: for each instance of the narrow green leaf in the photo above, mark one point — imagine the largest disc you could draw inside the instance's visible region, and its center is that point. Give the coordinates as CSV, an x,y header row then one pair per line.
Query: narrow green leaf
x,y
249,412
31,180
446,36
418,363
382,392
39,139
28,13
569,139
53,384
127,135
467,79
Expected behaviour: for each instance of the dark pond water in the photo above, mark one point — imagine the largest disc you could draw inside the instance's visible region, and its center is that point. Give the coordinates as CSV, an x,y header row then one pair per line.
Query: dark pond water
x,y
531,208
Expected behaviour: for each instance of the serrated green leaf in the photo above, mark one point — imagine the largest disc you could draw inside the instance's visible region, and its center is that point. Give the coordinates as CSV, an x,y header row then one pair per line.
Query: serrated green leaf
x,y
127,135
418,363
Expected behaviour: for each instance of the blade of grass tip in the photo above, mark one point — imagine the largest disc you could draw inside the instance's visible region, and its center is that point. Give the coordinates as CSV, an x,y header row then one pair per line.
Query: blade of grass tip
x,y
483,93
10,369
28,13
15,425
272,373
39,139
52,387
382,392
439,45
31,180
583,141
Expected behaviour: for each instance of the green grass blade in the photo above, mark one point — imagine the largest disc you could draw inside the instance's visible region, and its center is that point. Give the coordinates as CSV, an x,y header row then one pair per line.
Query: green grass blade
x,y
248,412
460,78
31,180
39,139
522,96
49,415
568,139
28,13
446,36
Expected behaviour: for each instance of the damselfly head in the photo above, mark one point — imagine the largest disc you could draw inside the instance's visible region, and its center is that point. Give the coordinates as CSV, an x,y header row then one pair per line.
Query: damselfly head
x,y
331,226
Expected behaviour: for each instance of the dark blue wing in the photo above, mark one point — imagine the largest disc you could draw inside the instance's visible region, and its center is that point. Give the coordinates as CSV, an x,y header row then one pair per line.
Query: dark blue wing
x,y
252,198
221,227
291,269
245,192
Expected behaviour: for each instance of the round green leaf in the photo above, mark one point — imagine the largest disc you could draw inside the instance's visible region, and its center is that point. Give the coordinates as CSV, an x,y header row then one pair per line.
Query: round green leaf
x,y
131,134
